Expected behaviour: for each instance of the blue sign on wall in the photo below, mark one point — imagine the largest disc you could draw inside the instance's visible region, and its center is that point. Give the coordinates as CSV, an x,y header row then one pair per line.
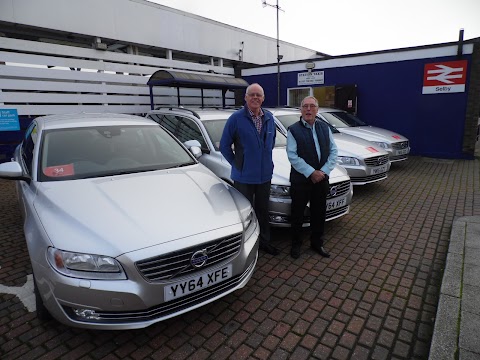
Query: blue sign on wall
x,y
9,120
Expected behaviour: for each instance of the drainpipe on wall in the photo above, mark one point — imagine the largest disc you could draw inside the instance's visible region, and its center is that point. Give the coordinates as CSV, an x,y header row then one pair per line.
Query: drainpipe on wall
x,y
460,44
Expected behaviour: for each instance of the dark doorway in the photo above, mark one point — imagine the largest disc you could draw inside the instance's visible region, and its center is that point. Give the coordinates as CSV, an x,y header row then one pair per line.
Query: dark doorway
x,y
346,98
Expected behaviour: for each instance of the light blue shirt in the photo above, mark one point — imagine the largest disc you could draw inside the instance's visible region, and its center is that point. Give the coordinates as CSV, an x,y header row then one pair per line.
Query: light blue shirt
x,y
299,164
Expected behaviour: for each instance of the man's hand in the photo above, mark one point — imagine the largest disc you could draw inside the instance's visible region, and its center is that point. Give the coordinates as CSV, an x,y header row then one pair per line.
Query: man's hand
x,y
317,176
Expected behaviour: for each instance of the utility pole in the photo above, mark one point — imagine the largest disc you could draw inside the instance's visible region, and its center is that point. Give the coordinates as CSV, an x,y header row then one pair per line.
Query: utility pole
x,y
279,57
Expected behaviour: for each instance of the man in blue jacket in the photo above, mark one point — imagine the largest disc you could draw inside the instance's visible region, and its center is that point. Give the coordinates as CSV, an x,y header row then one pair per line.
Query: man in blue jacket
x,y
251,130
312,152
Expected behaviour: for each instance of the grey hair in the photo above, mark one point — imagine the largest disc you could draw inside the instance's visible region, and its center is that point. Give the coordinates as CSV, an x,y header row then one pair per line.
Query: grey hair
x,y
250,86
309,97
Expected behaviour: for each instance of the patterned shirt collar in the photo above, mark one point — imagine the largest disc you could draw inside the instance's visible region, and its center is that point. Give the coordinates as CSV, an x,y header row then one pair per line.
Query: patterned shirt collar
x,y
253,115
257,120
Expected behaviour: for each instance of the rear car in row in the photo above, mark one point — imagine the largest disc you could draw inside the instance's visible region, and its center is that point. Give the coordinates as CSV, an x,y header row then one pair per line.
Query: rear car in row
x,y
397,146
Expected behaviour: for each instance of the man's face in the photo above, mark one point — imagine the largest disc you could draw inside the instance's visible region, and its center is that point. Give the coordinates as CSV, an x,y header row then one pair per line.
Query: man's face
x,y
309,111
254,98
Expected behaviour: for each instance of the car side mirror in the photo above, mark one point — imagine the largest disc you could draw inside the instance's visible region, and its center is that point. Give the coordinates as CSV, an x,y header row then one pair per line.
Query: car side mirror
x,y
12,171
195,147
196,151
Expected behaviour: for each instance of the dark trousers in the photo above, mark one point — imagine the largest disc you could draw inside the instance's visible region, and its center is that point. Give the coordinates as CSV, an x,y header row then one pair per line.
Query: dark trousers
x,y
258,195
301,194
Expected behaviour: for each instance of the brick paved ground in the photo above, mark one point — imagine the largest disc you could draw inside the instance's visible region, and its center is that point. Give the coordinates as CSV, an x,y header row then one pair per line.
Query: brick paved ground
x,y
376,297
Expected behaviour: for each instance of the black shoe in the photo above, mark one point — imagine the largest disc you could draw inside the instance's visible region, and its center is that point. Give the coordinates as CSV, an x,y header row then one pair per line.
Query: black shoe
x,y
295,252
321,250
269,249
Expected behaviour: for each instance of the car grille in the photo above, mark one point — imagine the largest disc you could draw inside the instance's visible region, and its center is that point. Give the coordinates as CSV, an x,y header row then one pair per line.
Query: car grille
x,y
363,179
334,213
400,145
168,308
377,160
175,264
339,189
394,158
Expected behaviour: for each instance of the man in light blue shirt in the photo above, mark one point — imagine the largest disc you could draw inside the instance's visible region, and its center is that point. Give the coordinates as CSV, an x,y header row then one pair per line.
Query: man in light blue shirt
x,y
312,152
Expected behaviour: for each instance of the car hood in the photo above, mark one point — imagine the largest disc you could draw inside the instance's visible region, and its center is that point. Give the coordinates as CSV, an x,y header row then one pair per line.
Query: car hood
x,y
118,214
281,170
349,145
372,133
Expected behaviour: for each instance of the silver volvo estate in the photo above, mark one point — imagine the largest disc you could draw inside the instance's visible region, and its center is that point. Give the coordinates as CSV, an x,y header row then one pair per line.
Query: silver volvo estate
x,y
123,226
204,127
364,161
397,146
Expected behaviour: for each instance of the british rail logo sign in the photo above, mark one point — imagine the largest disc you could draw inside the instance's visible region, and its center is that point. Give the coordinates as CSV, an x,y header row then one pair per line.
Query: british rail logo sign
x,y
445,77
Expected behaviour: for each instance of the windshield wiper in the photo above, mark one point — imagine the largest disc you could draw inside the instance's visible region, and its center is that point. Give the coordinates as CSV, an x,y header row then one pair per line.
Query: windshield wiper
x,y
181,165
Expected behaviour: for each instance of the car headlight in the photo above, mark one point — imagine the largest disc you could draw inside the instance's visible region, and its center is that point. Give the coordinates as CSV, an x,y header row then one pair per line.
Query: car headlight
x,y
250,224
85,266
279,191
383,145
347,160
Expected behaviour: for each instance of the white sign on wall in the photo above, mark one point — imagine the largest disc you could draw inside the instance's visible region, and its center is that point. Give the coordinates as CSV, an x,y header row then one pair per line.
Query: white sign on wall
x,y
310,78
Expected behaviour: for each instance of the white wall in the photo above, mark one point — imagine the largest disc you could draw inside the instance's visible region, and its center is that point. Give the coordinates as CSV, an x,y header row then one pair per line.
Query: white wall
x,y
36,79
141,22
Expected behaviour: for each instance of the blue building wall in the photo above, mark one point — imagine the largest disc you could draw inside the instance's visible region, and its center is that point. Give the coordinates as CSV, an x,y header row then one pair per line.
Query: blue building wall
x,y
389,95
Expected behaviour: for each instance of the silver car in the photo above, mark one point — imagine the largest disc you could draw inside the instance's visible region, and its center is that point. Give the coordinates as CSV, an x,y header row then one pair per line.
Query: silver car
x,y
123,226
364,161
397,146
204,127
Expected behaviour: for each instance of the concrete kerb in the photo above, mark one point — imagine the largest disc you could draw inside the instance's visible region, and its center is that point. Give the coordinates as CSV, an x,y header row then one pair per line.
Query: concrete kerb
x,y
458,315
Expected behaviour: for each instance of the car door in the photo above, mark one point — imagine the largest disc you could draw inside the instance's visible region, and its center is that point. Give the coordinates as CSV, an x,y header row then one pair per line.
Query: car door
x,y
25,156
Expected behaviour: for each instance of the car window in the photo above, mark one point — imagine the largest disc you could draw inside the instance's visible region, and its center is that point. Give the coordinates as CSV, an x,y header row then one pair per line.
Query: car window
x,y
187,129
78,153
28,146
215,130
280,139
183,128
341,119
288,120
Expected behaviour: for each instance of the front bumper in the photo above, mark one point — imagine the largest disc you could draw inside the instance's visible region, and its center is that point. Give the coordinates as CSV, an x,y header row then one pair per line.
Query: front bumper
x,y
135,302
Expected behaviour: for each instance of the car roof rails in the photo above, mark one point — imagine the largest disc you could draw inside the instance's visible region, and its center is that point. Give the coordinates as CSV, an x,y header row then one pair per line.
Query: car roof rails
x,y
218,107
176,108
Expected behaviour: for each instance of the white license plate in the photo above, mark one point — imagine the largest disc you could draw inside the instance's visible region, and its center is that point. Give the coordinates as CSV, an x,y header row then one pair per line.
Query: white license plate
x,y
197,283
336,203
378,170
402,152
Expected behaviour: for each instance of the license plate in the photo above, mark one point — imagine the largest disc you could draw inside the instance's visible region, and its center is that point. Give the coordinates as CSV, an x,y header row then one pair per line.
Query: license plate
x,y
197,283
336,203
402,152
379,170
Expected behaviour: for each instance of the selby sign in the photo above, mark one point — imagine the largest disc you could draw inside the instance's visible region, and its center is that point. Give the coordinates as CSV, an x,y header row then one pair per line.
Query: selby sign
x,y
445,77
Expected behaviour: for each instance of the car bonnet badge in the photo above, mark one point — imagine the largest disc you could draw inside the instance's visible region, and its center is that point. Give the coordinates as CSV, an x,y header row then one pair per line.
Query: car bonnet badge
x,y
199,258
333,191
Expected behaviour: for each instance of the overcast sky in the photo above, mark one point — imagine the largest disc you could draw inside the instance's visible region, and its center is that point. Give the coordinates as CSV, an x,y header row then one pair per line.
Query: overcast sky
x,y
338,27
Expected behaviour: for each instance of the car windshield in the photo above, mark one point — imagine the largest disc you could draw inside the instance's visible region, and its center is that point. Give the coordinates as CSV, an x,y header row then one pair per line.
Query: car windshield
x,y
341,119
288,120
215,129
87,152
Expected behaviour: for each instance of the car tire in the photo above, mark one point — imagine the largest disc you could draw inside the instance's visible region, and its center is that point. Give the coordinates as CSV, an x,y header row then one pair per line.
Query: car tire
x,y
42,312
